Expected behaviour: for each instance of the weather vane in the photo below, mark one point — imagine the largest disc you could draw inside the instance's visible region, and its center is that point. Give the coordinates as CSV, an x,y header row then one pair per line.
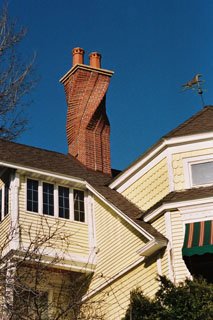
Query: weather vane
x,y
193,84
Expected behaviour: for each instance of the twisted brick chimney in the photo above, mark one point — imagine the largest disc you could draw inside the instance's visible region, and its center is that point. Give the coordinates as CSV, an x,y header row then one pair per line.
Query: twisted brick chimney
x,y
88,128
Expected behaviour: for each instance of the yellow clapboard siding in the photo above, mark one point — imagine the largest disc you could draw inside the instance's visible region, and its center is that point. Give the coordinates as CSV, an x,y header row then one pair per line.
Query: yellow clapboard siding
x,y
4,234
116,243
151,187
72,237
177,163
116,296
180,269
159,224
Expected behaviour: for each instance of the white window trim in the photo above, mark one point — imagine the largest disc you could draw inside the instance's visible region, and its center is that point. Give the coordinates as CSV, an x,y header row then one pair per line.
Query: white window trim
x,y
188,162
56,205
3,201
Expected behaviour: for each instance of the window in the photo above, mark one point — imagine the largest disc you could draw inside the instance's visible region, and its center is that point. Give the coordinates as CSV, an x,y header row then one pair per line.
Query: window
x,y
63,199
198,171
48,199
32,195
79,205
202,173
63,202
4,200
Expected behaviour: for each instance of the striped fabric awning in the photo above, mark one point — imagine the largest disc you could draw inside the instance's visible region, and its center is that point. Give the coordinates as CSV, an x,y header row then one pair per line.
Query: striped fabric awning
x,y
198,238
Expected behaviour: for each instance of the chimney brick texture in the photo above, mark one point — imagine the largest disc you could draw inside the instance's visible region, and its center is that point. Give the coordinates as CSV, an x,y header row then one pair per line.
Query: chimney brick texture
x,y
88,128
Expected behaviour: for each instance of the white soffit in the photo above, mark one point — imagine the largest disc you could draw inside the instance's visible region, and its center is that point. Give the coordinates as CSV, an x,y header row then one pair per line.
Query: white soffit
x,y
159,151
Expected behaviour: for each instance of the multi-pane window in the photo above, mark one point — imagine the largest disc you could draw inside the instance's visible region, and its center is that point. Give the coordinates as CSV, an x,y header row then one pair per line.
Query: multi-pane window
x,y
32,195
48,198
78,196
55,199
63,205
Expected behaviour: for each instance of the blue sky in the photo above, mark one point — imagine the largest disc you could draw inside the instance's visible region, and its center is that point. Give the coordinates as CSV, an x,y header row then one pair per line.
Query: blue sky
x,y
152,46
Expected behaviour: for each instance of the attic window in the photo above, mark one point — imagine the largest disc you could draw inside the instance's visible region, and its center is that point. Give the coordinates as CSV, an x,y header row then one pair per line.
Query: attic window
x,y
202,173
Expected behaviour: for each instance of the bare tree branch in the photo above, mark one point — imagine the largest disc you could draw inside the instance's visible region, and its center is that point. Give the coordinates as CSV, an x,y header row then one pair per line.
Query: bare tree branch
x,y
16,78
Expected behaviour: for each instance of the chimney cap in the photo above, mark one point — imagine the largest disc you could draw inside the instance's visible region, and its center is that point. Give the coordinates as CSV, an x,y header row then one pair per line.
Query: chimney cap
x,y
78,50
78,56
95,59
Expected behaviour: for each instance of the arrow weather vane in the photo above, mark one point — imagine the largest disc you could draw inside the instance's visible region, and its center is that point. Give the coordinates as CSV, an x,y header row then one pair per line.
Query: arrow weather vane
x,y
195,83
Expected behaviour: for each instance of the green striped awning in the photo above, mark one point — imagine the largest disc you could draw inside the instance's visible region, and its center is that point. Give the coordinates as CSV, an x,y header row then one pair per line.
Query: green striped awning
x,y
198,238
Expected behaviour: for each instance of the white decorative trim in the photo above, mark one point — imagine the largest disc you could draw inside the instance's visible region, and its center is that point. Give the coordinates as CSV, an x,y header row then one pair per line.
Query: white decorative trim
x,y
170,172
188,162
197,213
112,279
92,230
158,152
83,184
151,247
169,245
14,227
120,213
176,206
44,173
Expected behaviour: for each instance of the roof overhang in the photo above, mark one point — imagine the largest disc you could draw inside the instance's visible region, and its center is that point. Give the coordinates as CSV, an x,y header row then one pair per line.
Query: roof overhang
x,y
84,184
151,247
186,207
155,150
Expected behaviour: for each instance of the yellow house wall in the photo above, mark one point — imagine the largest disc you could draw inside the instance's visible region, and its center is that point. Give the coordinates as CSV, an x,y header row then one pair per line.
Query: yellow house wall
x,y
159,224
116,296
149,188
117,243
180,270
5,229
177,164
70,237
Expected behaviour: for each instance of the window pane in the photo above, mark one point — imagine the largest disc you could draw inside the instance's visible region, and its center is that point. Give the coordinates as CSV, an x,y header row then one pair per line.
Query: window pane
x,y
202,173
32,195
79,214
63,197
48,198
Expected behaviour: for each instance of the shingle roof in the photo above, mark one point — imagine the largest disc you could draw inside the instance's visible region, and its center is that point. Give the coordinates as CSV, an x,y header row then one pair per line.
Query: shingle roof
x,y
183,195
199,123
27,156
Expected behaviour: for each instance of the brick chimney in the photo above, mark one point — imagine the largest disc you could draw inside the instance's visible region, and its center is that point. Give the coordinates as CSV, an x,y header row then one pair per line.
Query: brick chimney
x,y
88,128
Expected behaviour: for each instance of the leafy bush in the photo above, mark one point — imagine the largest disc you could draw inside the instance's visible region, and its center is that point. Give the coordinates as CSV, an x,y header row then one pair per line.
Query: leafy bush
x,y
189,300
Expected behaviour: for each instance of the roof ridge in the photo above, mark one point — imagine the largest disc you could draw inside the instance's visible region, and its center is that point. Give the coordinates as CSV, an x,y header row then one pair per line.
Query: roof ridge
x,y
188,121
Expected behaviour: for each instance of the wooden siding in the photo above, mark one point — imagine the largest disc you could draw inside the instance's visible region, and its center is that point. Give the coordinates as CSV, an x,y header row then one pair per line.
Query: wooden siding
x,y
179,267
4,234
117,243
116,296
72,237
159,224
151,187
177,164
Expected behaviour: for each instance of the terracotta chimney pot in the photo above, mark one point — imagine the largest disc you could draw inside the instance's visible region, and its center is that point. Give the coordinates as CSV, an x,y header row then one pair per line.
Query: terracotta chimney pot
x,y
78,56
95,60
